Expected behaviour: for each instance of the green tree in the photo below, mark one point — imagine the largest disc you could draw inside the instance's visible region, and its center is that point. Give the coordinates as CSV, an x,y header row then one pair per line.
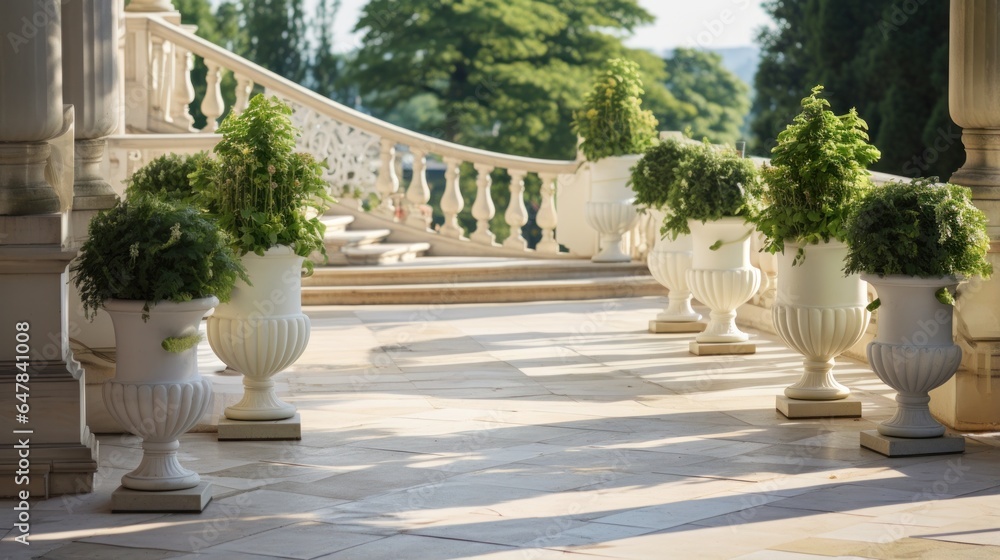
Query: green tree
x,y
718,101
276,34
893,68
504,75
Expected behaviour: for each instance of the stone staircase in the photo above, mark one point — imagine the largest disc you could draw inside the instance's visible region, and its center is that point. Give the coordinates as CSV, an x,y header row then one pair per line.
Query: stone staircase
x,y
364,247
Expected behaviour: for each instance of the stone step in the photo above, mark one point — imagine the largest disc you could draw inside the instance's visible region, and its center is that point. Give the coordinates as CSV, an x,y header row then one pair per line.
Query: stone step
x,y
336,223
448,270
383,253
336,240
484,292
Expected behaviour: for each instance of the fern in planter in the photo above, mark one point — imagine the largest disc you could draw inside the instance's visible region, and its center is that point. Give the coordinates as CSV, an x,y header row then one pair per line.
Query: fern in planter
x,y
612,121
657,172
261,191
712,183
167,177
817,173
918,229
152,250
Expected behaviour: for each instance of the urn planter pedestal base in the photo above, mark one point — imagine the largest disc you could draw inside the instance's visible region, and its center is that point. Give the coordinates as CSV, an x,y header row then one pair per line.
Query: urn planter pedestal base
x,y
721,348
660,327
907,447
236,430
801,408
125,500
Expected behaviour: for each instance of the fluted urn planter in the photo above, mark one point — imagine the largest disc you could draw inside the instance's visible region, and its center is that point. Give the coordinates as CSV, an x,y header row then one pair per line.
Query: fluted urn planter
x,y
913,351
669,262
819,312
155,394
610,210
261,331
612,220
721,276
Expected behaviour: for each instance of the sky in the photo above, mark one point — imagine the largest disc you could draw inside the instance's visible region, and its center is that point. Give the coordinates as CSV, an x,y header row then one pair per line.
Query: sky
x,y
679,23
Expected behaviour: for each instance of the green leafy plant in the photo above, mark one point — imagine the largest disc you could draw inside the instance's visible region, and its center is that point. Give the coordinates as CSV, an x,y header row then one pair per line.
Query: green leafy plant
x,y
148,249
818,171
181,344
167,176
656,173
612,121
918,229
260,190
712,183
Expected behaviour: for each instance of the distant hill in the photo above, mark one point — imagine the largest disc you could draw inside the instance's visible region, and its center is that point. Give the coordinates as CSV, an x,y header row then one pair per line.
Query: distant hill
x,y
741,61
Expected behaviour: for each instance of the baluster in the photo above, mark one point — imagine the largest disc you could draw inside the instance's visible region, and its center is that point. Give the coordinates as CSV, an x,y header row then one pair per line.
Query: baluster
x,y
516,214
243,87
183,88
418,193
547,218
156,75
387,183
212,105
483,209
451,200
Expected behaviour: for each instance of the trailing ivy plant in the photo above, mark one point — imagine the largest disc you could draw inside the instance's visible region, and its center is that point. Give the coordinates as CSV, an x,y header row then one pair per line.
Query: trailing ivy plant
x,y
612,121
656,173
712,183
167,176
261,191
817,173
151,250
918,229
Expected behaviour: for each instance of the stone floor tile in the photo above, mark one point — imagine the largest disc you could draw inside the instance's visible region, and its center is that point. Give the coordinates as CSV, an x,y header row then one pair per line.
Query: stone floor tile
x,y
413,547
301,540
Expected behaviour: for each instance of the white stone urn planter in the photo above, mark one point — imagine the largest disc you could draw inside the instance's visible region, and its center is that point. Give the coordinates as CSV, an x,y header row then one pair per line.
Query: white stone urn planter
x,y
155,394
610,210
819,312
612,220
669,262
722,279
262,331
913,351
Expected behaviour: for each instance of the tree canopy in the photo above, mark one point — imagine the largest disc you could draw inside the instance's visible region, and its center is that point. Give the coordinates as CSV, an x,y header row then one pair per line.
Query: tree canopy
x,y
502,75
888,59
716,100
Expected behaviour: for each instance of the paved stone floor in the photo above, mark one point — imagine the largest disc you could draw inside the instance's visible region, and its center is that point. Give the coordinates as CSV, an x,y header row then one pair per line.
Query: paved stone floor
x,y
538,431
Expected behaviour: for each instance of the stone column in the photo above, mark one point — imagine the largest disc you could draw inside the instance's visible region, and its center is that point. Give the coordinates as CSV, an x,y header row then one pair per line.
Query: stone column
x,y
967,401
37,369
30,111
90,83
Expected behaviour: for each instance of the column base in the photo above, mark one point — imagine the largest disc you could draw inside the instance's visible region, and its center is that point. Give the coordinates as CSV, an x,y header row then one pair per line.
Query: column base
x,y
659,327
908,447
125,500
54,471
240,430
721,348
799,408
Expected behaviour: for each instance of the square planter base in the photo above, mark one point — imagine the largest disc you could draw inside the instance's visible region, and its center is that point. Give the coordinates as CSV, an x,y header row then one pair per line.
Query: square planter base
x,y
659,327
235,430
126,500
721,348
801,408
905,447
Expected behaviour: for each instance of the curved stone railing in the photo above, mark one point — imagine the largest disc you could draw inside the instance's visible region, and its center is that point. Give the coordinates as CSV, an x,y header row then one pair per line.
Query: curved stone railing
x,y
365,155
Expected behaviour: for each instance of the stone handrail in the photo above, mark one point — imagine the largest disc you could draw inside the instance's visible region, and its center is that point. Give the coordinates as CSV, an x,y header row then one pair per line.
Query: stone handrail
x,y
365,155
